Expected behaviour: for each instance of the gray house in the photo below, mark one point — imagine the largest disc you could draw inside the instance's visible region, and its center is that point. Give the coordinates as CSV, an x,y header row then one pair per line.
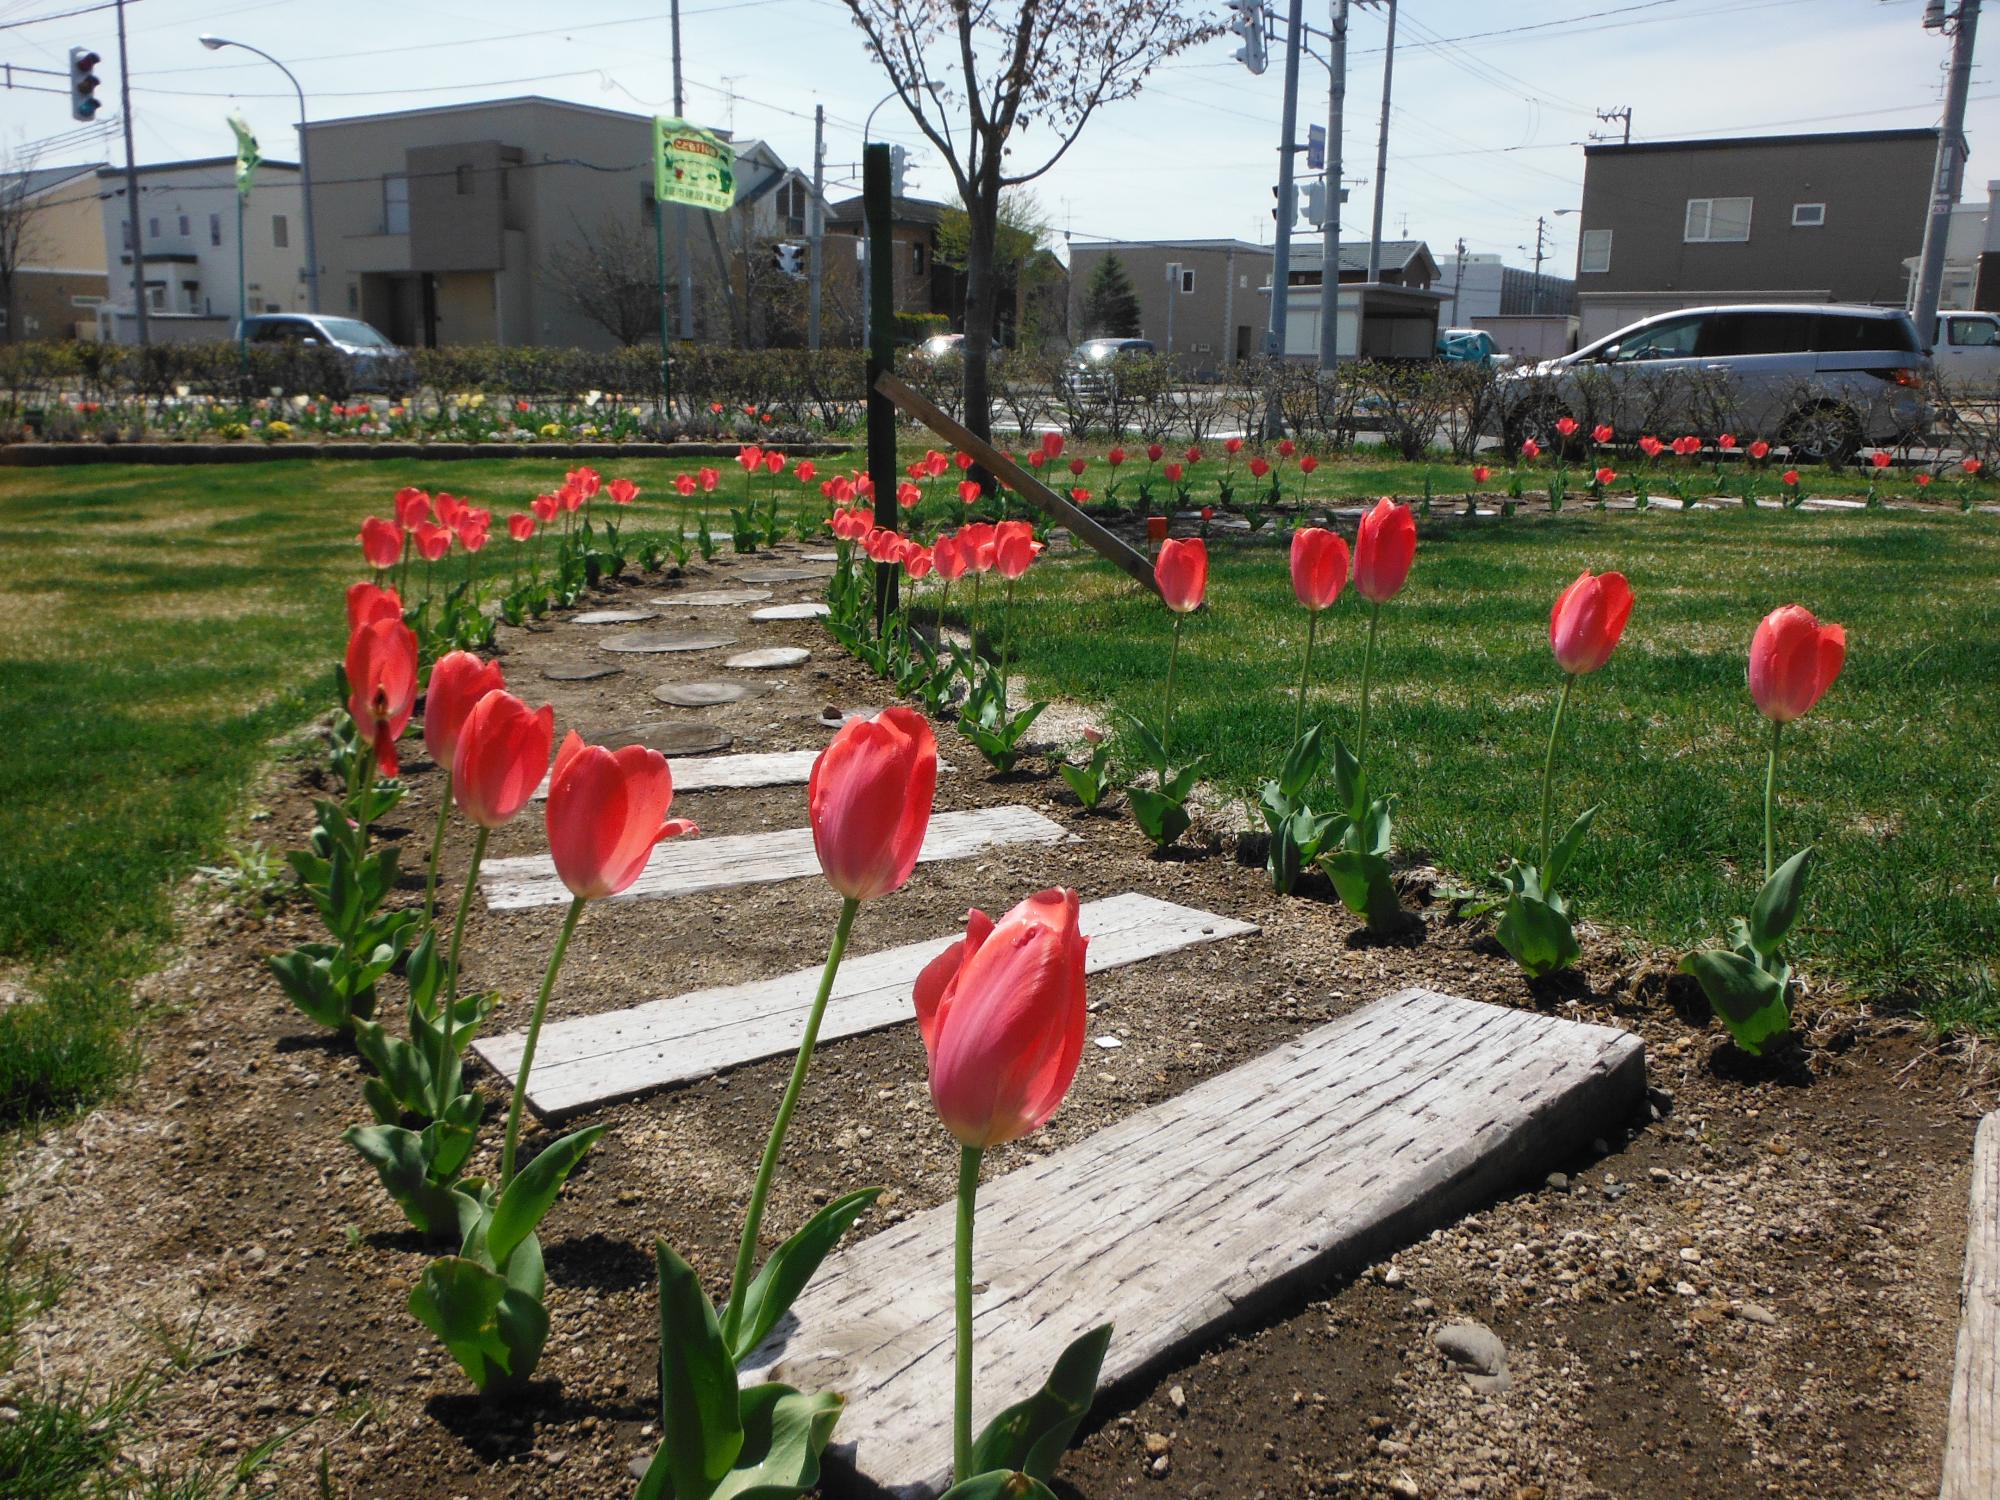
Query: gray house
x,y
1784,218
1198,299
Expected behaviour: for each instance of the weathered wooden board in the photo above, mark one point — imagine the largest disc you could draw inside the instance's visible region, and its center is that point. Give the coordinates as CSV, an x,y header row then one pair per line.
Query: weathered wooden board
x,y
1199,1213
727,772
684,866
613,616
713,598
1972,1434
599,1059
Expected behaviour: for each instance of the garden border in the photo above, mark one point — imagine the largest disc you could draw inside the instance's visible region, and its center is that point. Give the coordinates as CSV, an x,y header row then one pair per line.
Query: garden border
x,y
61,455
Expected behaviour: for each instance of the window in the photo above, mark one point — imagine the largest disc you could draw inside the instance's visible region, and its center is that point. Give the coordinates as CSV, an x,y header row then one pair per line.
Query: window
x,y
152,229
1730,334
1593,251
1856,333
1187,278
1716,221
917,257
396,204
464,181
1808,215
1671,340
184,226
215,229
281,232
156,297
125,233
1971,333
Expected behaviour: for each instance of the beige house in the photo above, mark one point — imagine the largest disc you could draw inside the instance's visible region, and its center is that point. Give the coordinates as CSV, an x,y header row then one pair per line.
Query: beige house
x,y
57,274
461,224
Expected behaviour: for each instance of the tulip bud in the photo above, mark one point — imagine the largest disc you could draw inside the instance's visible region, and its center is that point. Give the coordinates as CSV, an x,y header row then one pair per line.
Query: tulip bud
x,y
1587,620
1319,566
870,798
1793,661
1181,571
502,754
382,684
606,810
1384,547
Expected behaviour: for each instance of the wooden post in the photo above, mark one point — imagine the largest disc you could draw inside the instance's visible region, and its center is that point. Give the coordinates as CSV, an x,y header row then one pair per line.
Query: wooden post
x,y
881,360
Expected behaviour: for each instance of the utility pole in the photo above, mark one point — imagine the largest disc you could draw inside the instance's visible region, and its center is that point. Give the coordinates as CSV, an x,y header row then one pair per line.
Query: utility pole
x,y
1622,114
1281,248
816,225
1949,178
686,265
1382,150
1329,273
132,181
1457,279
1540,255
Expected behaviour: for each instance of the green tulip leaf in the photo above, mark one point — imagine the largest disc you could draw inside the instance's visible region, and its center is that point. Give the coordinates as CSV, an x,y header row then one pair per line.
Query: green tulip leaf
x,y
784,1434
1566,847
493,1330
1777,906
1347,787
1302,764
701,1422
778,1284
1537,934
1151,752
1000,1484
401,1160
305,974
1085,782
1361,880
1160,818
1031,1435
529,1196
1746,998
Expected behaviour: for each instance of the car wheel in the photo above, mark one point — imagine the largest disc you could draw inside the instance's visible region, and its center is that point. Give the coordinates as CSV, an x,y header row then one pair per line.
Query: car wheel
x,y
1824,433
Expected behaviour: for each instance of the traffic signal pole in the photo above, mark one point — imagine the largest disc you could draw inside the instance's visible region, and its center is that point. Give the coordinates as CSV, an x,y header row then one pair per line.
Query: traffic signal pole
x,y
1281,249
1329,274
131,182
1949,177
816,225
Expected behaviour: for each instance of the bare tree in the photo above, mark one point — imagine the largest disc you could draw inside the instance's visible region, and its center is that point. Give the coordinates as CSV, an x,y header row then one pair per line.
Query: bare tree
x,y
974,74
612,278
18,211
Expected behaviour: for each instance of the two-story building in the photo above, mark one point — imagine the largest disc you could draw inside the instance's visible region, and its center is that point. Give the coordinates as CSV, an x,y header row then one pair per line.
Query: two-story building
x,y
1783,218
456,224
57,279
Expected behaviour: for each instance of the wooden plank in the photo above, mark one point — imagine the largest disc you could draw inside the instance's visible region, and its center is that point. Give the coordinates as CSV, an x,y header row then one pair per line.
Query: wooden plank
x,y
1106,545
1972,1435
599,1059
709,773
1200,1213
685,866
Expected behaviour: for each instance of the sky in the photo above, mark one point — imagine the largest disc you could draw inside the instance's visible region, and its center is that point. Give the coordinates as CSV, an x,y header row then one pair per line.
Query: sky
x,y
1491,103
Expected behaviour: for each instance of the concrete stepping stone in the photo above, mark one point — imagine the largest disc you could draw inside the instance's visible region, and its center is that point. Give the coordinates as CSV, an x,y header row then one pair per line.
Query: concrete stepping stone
x,y
767,658
783,575
791,612
613,616
650,641
580,674
712,598
1199,1214
704,773
684,867
1972,1431
619,1054
702,694
821,557
669,737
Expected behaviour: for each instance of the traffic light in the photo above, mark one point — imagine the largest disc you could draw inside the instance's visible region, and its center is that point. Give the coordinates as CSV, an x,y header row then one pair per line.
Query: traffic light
x,y
1287,208
1249,24
1315,203
789,257
83,100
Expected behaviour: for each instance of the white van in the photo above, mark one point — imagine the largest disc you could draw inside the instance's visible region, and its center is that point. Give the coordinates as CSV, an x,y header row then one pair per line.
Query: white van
x,y
1966,352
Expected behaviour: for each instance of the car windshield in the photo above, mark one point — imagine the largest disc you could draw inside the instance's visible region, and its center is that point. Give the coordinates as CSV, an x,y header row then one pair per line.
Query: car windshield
x,y
354,331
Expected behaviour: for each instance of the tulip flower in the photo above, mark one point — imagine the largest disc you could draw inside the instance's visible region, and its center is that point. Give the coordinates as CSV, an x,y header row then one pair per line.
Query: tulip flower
x,y
520,526
1014,550
969,491
381,543
751,457
382,684
908,495
1971,466
433,542
1232,446
1308,464
918,562
1726,441
470,536
1153,452
1002,1014
1793,661
367,603
1037,458
1584,626
1605,476
1193,455
710,478
1173,473
1923,481
1181,571
1077,466
1385,546
1115,457
1759,449
948,557
412,506
545,508
458,682
1601,433
1879,459
1480,473
1319,569
1530,449
1259,466
1566,427
1651,446
1052,445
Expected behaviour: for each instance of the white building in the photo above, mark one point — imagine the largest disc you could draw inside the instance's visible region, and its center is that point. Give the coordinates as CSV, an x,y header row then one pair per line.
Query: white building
x,y
187,233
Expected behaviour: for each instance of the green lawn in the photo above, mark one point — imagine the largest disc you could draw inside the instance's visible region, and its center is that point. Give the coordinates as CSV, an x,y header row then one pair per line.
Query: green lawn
x,y
1893,777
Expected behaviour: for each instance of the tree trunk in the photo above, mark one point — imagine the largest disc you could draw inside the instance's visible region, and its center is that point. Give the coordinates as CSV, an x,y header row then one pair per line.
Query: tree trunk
x,y
982,214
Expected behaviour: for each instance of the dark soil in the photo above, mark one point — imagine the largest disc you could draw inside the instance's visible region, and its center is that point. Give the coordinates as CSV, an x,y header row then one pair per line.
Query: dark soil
x,y
1754,1289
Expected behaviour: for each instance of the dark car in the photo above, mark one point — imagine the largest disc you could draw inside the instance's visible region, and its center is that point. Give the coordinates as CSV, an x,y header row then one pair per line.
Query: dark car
x,y
374,361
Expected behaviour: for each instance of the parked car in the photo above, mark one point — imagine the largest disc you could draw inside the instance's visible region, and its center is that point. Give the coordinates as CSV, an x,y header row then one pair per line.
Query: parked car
x,y
944,345
1820,379
1096,361
1471,346
375,361
1966,350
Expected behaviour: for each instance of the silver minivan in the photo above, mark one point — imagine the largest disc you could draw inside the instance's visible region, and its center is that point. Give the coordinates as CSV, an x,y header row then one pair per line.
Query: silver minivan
x,y
1819,379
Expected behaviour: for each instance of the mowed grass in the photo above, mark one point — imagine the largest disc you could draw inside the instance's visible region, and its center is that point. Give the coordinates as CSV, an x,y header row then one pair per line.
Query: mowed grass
x,y
1892,778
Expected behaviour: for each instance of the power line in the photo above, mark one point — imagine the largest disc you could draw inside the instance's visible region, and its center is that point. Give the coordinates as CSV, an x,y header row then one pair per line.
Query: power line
x,y
61,15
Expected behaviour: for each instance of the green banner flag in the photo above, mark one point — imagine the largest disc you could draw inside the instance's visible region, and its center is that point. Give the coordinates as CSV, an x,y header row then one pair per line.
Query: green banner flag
x,y
692,166
247,155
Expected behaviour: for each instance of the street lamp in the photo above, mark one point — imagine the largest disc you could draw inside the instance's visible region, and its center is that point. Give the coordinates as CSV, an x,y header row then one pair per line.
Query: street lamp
x,y
216,44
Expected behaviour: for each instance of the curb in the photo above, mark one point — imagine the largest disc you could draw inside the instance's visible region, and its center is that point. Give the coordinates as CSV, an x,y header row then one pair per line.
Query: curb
x,y
63,455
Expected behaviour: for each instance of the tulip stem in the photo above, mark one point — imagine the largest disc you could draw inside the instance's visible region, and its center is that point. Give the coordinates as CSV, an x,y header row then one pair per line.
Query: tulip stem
x,y
961,1417
458,934
1305,676
1548,773
746,1251
528,1048
437,850
1361,733
1006,643
1167,723
1770,796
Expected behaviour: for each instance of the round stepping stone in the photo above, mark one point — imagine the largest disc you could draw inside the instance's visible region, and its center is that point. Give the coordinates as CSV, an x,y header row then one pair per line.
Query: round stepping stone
x,y
665,640
579,674
669,737
713,598
769,657
702,694
613,617
792,612
821,557
781,575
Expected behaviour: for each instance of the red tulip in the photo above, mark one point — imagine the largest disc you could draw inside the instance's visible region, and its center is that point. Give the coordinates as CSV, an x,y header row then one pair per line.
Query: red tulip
x,y
622,491
501,757
458,681
1566,426
948,557
963,460
382,685
1286,448
1384,547
1726,441
936,463
1077,466
1971,466
520,526
1880,459
1531,449
1232,446
1480,473
606,811
381,542
1181,570
1036,459
1173,473
774,462
1153,452
1052,445
805,469
684,484
1319,566
366,604
1193,455
449,509
1115,457
1687,446
710,478
433,542
918,561
1650,446
977,541
1790,476
1080,495
471,535
1601,433
412,506
1014,548
969,491
1605,476
1923,480
751,457
870,797
545,508
908,495
1307,464
1760,449
1208,513
1260,466
1587,620
1002,1014
586,479
1793,661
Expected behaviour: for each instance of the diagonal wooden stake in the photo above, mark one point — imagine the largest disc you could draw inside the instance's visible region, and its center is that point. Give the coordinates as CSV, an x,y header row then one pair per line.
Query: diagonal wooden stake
x,y
1024,484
